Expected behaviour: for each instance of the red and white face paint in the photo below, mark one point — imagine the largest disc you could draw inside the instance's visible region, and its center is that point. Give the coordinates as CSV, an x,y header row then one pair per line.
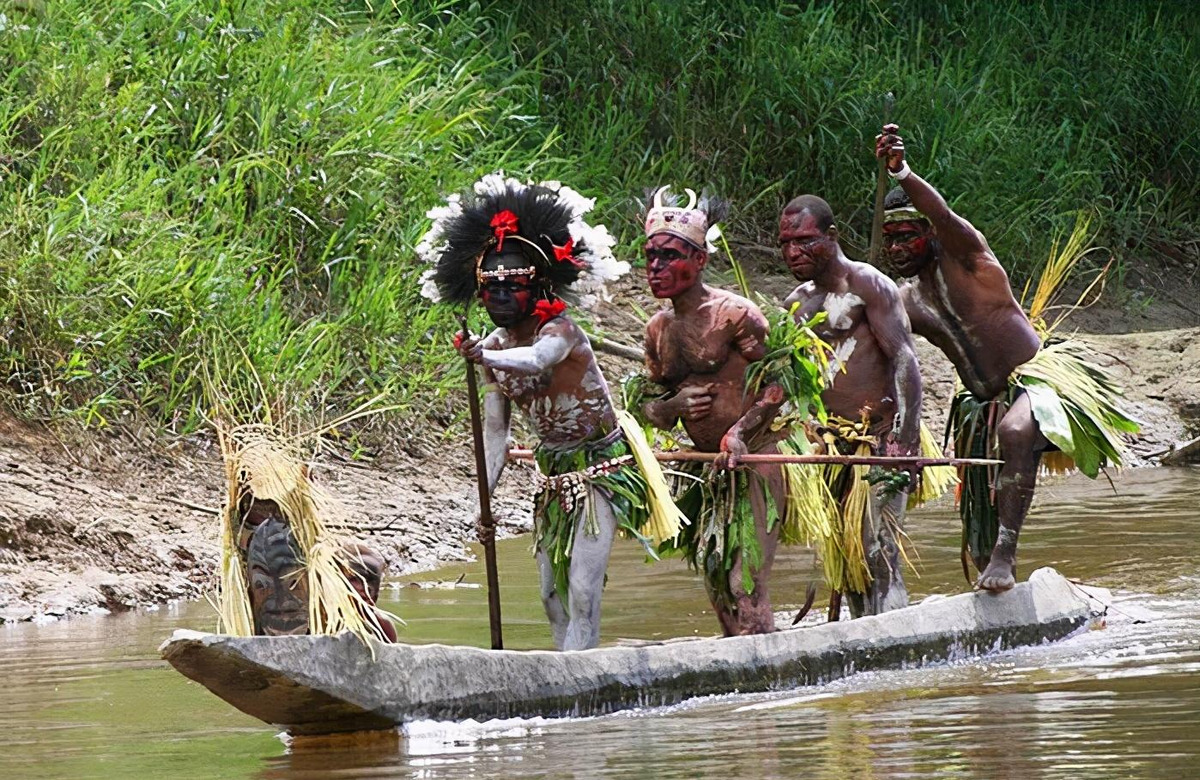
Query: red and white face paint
x,y
673,266
907,246
806,248
509,299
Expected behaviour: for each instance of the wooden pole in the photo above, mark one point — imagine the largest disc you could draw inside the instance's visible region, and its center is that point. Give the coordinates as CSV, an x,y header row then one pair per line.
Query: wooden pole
x,y
835,606
896,461
875,253
486,521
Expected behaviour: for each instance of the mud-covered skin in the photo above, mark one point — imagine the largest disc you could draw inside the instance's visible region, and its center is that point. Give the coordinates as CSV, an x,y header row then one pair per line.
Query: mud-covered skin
x,y
277,580
699,349
547,370
702,355
959,298
874,371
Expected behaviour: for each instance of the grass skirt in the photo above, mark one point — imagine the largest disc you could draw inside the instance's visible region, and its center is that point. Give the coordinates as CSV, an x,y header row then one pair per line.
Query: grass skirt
x,y
617,468
1077,405
717,504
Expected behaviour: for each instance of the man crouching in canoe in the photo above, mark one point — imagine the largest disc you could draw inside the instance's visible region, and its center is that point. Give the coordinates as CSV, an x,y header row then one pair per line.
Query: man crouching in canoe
x,y
1022,399
521,249
874,388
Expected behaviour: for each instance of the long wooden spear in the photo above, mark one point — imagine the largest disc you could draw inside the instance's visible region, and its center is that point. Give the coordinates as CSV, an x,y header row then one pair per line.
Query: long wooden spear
x,y
875,253
487,524
899,461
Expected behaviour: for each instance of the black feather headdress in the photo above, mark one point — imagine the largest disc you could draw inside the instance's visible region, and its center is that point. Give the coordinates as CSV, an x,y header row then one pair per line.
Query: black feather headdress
x,y
541,224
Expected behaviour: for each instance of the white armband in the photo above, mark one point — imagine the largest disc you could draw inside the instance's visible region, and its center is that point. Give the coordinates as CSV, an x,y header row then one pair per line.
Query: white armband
x,y
901,174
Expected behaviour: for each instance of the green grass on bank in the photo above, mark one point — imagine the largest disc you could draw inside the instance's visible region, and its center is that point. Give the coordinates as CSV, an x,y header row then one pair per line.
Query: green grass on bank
x,y
188,187
189,184
1023,113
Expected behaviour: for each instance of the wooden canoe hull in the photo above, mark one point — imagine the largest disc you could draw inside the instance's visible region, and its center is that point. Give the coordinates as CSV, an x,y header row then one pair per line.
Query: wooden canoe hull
x,y
323,685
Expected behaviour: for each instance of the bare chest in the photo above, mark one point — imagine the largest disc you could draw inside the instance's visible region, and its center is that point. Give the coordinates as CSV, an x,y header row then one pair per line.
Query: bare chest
x,y
985,339
845,318
687,348
844,314
931,315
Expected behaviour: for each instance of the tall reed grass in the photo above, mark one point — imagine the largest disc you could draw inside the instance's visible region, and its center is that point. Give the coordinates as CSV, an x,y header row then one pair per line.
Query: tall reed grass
x,y
187,184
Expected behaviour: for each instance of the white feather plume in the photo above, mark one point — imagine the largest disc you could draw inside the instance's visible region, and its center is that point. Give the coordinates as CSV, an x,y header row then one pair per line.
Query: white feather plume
x,y
601,266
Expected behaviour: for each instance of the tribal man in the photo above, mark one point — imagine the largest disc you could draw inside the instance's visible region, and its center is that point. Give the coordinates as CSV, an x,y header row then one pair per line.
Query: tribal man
x,y
1015,403
697,352
521,249
874,387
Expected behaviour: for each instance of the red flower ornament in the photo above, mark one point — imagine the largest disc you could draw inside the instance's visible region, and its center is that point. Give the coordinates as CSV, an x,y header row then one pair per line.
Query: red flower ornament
x,y
504,223
565,252
548,310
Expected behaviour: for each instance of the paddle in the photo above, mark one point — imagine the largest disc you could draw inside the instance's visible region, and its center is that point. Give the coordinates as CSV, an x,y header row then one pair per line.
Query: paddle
x,y
875,253
487,524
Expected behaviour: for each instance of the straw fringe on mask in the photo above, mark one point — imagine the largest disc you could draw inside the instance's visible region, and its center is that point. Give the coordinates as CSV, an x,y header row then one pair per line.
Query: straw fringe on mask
x,y
262,462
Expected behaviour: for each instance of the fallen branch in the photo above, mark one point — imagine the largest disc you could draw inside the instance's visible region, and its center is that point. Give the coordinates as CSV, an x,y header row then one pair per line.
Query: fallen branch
x,y
1182,454
208,510
900,461
603,344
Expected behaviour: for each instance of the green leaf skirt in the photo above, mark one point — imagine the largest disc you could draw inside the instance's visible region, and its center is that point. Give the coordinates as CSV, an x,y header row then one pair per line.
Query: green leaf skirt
x,y
1077,405
565,503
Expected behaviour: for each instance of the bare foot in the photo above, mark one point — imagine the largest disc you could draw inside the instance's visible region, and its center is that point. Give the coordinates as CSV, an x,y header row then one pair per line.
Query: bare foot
x,y
998,577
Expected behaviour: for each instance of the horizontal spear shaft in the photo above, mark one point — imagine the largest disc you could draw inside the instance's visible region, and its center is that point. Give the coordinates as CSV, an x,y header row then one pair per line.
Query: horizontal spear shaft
x,y
900,461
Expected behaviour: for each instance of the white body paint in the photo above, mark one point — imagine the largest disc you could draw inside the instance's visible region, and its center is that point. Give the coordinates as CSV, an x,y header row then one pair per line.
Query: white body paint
x,y
841,354
839,307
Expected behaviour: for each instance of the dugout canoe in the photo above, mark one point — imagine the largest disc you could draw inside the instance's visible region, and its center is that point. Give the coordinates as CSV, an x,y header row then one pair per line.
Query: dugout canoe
x,y
310,685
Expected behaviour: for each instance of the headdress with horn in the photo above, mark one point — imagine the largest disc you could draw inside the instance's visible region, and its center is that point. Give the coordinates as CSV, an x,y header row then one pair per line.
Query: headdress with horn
x,y
695,223
542,222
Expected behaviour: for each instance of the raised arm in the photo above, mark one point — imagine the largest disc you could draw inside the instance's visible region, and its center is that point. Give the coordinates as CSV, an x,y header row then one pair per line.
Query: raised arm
x,y
957,235
889,325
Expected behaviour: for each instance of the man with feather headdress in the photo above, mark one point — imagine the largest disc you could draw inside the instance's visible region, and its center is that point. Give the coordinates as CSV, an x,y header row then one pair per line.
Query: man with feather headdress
x,y
1020,399
524,250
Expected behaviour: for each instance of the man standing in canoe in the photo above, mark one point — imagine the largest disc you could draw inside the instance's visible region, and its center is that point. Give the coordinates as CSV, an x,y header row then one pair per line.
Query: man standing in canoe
x,y
1020,399
873,398
523,250
697,355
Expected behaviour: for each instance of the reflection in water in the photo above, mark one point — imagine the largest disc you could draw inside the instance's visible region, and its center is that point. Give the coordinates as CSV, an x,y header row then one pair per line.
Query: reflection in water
x,y
88,697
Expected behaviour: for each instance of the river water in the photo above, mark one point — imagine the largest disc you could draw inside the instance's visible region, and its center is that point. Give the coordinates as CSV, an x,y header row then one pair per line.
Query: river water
x,y
89,697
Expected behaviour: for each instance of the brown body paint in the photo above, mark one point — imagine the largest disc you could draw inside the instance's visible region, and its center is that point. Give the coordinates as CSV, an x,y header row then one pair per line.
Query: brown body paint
x,y
699,349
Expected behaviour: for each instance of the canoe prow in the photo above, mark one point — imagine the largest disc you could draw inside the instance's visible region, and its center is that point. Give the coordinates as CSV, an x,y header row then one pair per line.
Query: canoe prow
x,y
323,684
